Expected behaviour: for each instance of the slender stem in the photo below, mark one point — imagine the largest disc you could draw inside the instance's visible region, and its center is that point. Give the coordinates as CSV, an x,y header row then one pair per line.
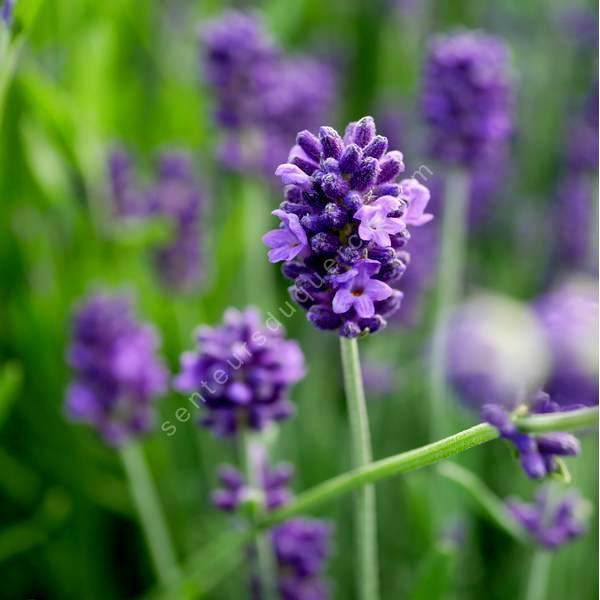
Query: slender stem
x,y
489,503
564,421
145,498
254,456
419,458
450,281
221,548
258,273
365,518
539,574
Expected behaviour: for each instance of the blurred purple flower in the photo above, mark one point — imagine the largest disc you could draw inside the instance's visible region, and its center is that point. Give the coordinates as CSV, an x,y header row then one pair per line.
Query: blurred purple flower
x,y
7,11
496,352
242,372
582,146
302,549
235,490
580,25
354,215
379,378
175,196
301,546
551,522
262,97
466,98
537,454
117,373
569,316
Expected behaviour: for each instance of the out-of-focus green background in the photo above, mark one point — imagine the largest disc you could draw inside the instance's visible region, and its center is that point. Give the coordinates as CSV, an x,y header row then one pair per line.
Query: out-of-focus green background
x,y
89,74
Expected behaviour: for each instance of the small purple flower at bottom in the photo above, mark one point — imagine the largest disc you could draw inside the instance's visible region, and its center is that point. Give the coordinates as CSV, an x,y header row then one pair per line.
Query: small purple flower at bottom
x,y
551,522
288,241
357,290
235,490
537,454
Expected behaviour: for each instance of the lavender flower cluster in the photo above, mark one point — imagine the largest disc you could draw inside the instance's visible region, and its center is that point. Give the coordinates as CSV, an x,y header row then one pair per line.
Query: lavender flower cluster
x,y
174,196
550,523
117,372
537,454
262,96
466,98
344,225
242,372
301,546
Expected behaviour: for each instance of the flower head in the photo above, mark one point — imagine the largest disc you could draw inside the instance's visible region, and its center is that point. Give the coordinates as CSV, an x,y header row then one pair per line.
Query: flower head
x,y
466,98
300,546
354,217
242,373
262,96
537,454
174,196
117,373
569,317
550,521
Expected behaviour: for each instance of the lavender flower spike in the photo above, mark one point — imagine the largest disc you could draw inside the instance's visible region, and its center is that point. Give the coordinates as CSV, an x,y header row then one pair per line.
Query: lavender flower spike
x,y
117,373
342,193
551,522
241,373
7,11
466,98
537,454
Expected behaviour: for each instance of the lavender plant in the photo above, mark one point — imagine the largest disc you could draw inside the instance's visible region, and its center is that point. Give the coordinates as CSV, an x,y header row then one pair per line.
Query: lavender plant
x,y
262,97
118,378
173,196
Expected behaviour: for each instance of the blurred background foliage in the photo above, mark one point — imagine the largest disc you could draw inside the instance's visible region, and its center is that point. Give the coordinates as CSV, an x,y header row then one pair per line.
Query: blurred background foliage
x,y
88,75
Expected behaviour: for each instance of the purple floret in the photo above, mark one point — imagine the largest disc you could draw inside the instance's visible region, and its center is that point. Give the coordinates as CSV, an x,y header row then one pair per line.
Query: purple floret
x,y
242,372
344,224
466,98
551,522
117,375
537,454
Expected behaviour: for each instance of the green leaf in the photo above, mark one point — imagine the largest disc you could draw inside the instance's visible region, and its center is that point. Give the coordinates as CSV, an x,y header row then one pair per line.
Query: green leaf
x,y
11,376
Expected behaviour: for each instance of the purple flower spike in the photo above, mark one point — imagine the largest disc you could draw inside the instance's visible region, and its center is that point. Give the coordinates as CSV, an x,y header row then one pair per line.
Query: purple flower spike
x,y
466,98
262,97
537,454
241,373
550,521
342,193
357,290
6,12
288,241
117,373
175,196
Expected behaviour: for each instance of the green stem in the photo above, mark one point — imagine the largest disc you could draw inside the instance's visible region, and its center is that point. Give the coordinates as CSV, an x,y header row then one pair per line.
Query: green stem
x,y
210,561
258,273
365,518
564,421
539,574
145,498
423,457
254,459
450,281
489,503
